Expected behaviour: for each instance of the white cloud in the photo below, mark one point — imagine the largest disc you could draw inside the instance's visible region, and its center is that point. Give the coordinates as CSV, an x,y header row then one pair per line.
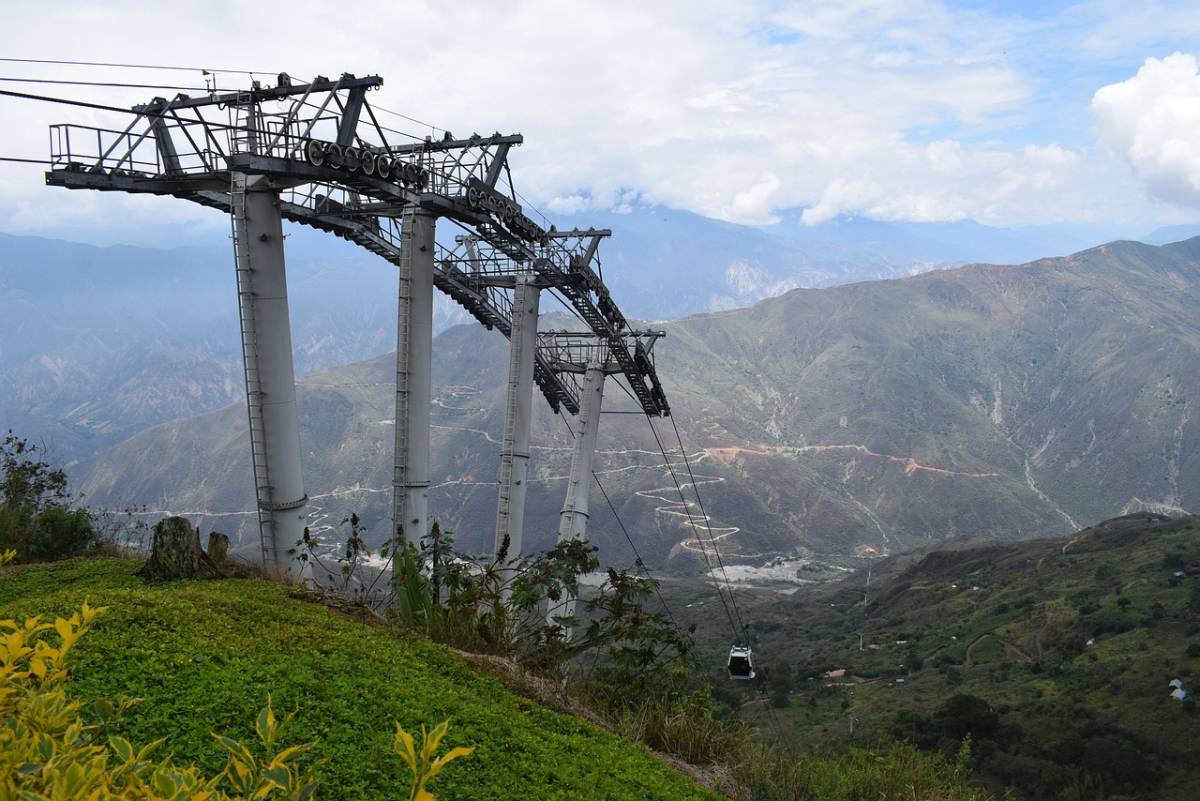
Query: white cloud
x,y
904,109
1153,121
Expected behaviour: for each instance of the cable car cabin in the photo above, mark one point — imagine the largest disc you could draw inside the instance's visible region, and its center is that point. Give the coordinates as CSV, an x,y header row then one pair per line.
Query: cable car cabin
x,y
741,664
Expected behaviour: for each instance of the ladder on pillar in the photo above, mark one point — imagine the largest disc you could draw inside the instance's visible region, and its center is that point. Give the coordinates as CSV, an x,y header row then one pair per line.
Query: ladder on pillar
x,y
244,119
403,396
254,394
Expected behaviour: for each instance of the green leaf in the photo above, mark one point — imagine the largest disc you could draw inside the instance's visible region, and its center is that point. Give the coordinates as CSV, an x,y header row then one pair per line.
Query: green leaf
x,y
122,748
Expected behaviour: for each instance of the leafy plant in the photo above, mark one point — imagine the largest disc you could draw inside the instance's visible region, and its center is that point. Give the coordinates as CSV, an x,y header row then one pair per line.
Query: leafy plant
x,y
47,751
276,775
489,605
343,579
37,520
422,763
642,650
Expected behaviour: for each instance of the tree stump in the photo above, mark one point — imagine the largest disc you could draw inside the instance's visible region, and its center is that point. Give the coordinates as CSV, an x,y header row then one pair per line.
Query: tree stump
x,y
175,552
218,547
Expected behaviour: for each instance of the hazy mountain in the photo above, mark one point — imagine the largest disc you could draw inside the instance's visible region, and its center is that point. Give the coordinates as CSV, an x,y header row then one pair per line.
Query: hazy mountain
x,y
664,263
998,401
101,342
1171,233
946,242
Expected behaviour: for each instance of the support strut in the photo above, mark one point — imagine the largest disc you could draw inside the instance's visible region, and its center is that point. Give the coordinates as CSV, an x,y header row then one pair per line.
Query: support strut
x,y
270,376
514,457
414,354
573,520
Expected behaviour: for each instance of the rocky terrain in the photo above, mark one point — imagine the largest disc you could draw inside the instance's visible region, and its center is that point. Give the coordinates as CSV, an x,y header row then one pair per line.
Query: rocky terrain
x,y
997,401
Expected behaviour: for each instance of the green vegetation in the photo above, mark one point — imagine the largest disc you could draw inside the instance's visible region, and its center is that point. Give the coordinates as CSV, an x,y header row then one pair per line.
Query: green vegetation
x,y
885,414
896,773
37,517
203,655
48,751
1054,656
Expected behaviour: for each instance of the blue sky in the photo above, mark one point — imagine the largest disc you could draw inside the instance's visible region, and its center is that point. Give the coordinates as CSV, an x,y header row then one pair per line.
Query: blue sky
x,y
750,112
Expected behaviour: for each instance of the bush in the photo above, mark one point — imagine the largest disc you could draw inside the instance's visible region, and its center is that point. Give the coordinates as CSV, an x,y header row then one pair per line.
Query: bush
x,y
37,519
898,774
687,728
962,715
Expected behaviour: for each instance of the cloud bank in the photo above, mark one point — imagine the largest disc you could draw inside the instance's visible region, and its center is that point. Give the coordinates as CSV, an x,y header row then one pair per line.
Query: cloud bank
x,y
748,112
1153,121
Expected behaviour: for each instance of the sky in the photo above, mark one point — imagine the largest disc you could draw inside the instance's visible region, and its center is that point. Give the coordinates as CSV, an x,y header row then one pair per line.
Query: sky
x,y
1009,113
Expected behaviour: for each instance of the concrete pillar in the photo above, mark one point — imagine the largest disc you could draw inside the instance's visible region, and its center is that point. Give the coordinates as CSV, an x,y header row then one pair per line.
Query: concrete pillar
x,y
514,456
270,377
414,355
573,520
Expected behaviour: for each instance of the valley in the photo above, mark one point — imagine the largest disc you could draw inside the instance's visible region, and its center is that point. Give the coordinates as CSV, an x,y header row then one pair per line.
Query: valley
x,y
1054,655
1003,402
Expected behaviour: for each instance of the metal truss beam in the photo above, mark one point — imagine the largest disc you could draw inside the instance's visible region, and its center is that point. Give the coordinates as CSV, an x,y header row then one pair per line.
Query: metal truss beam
x,y
259,94
334,168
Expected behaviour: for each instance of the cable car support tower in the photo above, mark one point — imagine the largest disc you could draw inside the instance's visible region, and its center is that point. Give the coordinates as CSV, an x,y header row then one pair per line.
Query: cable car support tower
x,y
314,153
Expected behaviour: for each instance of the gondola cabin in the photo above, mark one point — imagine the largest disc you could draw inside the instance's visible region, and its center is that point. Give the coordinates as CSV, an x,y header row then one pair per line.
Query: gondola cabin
x,y
741,663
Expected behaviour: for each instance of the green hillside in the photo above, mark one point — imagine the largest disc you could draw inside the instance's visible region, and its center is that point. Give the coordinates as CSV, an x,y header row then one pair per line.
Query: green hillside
x,y
1003,402
1054,655
204,655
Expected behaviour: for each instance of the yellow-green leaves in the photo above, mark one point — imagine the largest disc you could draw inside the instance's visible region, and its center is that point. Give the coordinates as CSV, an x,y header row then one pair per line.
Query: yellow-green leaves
x,y
52,748
276,776
422,764
48,753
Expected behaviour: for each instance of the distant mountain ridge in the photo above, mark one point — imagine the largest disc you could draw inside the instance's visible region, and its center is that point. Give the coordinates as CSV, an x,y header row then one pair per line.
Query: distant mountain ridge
x,y
102,342
997,401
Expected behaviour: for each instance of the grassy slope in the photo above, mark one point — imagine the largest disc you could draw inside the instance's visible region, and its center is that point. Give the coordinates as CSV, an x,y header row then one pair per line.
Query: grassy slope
x,y
204,655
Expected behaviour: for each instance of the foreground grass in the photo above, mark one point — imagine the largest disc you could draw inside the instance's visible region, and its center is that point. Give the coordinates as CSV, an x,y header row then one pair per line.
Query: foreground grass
x,y
204,655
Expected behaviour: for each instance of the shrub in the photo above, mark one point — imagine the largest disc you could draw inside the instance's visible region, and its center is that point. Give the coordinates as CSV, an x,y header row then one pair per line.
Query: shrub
x,y
899,773
37,520
518,609
687,727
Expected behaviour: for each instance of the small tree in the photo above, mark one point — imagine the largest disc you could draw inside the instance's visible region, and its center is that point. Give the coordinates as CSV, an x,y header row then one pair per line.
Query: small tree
x,y
36,515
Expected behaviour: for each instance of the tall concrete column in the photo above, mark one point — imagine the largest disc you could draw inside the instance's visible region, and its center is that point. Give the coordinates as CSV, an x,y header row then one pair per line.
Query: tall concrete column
x,y
270,376
414,354
572,521
514,456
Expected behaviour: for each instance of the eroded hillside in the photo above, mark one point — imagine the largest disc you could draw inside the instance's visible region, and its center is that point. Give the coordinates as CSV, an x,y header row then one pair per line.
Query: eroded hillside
x,y
996,401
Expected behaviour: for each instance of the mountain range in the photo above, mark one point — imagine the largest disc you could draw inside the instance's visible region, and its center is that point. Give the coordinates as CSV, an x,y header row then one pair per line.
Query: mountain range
x,y
102,342
998,401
